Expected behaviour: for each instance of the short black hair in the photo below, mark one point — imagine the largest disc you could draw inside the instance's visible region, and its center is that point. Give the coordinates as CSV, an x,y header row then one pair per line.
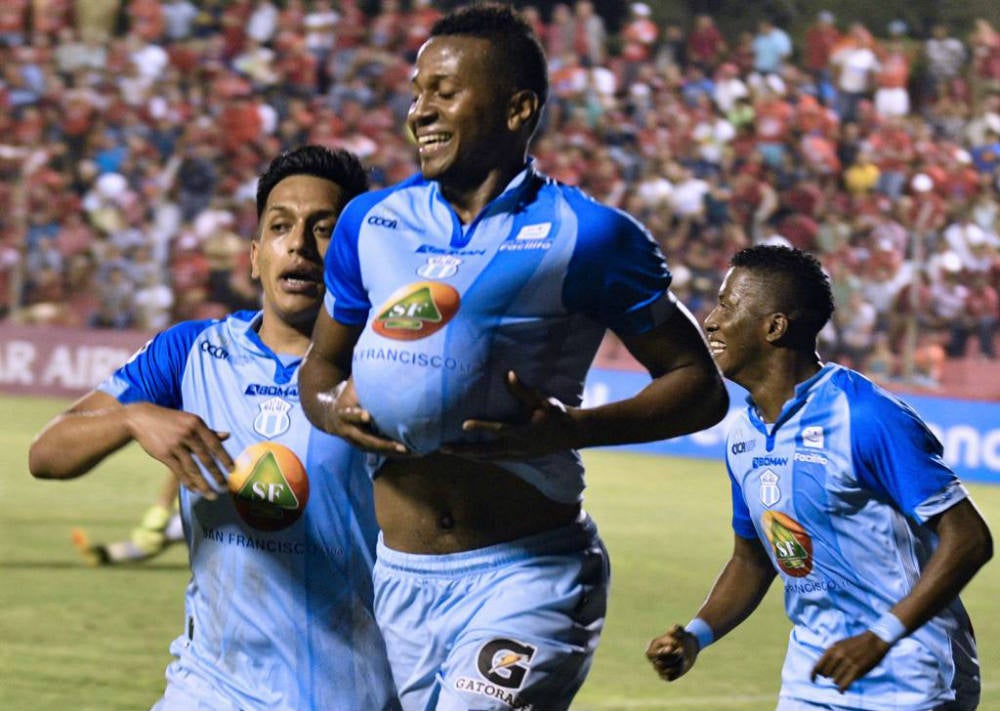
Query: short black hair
x,y
336,165
518,50
798,284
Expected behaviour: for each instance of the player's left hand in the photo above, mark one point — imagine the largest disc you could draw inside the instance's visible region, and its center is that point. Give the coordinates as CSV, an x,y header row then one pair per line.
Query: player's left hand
x,y
850,659
353,423
547,426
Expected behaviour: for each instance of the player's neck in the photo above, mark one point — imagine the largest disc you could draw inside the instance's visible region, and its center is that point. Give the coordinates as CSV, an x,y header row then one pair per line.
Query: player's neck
x,y
469,196
285,338
776,382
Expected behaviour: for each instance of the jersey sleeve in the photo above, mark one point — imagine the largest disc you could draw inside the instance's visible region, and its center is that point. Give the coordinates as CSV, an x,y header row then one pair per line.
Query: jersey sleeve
x,y
346,298
617,273
897,455
742,523
153,374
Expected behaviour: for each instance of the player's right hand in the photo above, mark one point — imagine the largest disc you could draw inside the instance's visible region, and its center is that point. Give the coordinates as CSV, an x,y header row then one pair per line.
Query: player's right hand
x,y
351,422
181,441
673,653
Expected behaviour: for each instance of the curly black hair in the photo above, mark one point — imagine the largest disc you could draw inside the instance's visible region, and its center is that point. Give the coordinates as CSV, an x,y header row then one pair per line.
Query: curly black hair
x,y
336,165
519,52
796,282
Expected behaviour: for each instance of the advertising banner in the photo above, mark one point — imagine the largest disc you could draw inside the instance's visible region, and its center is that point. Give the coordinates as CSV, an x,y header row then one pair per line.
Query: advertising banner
x,y
67,362
61,362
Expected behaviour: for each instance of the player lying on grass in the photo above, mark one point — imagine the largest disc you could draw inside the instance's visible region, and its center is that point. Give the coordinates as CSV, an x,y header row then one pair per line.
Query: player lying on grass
x,y
160,528
840,489
278,515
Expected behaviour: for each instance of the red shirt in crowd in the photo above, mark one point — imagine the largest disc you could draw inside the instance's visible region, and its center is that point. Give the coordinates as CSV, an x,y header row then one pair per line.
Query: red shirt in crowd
x,y
820,39
705,44
773,120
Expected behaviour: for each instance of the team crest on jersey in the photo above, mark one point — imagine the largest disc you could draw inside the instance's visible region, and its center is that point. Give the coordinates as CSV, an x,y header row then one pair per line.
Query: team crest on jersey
x,y
791,543
813,437
272,418
770,494
269,486
440,267
416,311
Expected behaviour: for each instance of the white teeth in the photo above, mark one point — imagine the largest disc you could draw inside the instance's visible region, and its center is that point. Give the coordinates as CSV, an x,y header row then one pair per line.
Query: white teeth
x,y
432,138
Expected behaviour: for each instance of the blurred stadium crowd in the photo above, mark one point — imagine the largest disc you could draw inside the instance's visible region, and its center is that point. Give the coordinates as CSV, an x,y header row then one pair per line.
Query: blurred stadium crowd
x,y
131,132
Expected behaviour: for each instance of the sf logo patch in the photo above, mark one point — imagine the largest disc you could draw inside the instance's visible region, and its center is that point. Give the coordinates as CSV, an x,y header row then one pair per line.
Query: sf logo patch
x,y
793,548
416,311
269,486
505,662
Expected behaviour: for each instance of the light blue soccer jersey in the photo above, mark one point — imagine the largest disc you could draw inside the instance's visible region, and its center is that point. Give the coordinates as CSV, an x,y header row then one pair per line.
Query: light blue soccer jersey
x,y
837,490
279,607
530,285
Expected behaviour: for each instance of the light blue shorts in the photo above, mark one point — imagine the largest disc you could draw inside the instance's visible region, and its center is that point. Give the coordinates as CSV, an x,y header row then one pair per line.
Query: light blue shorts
x,y
789,703
510,626
189,691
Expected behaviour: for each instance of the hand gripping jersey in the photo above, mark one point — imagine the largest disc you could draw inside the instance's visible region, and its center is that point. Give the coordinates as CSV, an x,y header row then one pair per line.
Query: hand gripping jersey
x,y
836,491
279,607
530,285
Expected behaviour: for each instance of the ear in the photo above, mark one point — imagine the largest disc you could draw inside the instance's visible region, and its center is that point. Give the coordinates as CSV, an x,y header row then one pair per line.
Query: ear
x,y
254,256
522,109
777,327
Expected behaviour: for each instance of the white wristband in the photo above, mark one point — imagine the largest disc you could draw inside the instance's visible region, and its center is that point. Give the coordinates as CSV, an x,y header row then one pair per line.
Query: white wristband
x,y
888,628
701,631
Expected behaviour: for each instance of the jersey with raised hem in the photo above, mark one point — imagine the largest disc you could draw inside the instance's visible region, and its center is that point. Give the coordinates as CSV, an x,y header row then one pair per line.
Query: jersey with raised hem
x,y
530,285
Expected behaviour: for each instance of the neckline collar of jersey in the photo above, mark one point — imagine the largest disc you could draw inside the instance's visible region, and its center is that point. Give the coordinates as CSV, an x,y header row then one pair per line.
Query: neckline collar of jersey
x,y
797,400
518,192
284,366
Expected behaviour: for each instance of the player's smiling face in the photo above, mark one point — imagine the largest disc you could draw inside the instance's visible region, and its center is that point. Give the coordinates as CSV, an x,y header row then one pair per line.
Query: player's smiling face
x,y
458,112
738,325
287,255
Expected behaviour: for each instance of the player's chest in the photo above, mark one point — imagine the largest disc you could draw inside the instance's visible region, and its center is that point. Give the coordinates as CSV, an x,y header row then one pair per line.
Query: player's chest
x,y
252,399
408,264
798,469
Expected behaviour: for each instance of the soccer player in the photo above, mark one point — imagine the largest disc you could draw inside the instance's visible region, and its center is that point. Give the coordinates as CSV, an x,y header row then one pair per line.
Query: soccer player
x,y
452,298
160,528
279,607
840,489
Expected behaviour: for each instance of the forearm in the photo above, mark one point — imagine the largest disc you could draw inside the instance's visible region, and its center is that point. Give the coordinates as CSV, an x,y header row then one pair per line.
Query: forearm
x,y
686,399
75,442
318,382
964,546
736,594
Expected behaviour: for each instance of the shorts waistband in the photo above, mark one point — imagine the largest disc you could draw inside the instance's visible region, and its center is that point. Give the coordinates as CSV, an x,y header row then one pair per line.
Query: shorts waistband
x,y
566,539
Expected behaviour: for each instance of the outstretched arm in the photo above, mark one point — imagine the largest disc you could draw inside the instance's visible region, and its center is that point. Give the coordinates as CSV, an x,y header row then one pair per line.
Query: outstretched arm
x,y
326,392
736,593
964,546
686,395
97,425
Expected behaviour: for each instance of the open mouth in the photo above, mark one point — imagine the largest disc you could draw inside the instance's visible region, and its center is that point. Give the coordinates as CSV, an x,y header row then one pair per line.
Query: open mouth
x,y
432,142
300,281
716,347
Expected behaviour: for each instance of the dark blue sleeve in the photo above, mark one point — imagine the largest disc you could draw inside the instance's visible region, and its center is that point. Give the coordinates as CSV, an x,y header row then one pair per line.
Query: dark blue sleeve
x,y
895,453
617,272
346,297
742,523
154,373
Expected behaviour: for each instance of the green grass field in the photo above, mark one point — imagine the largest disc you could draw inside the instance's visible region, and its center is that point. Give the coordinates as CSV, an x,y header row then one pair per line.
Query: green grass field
x,y
73,637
